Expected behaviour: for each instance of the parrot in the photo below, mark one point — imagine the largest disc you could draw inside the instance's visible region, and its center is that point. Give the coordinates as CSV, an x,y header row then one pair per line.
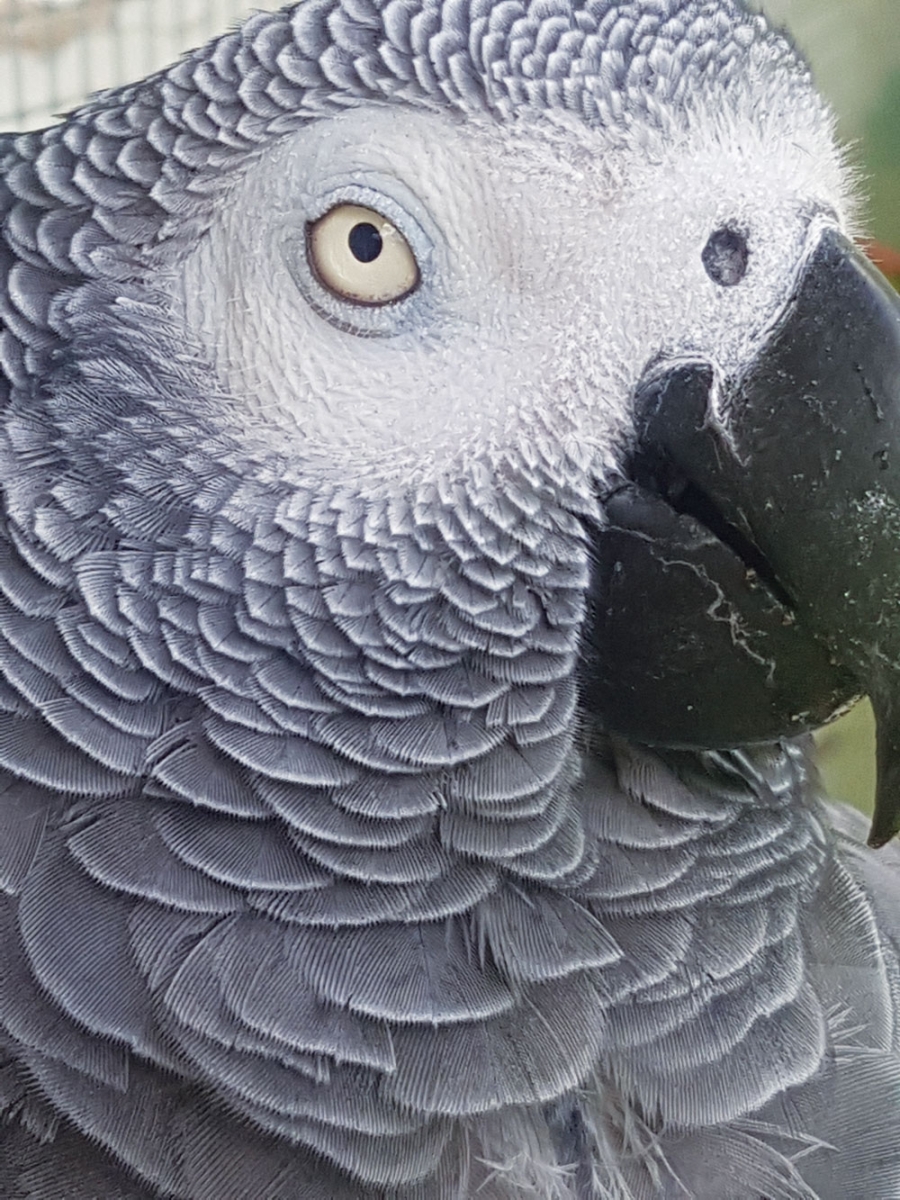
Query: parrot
x,y
450,459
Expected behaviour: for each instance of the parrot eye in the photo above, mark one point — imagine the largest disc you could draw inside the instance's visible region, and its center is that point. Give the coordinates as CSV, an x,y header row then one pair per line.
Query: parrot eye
x,y
358,255
725,257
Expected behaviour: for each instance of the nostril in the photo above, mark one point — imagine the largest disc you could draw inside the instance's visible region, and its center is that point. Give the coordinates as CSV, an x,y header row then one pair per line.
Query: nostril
x,y
726,256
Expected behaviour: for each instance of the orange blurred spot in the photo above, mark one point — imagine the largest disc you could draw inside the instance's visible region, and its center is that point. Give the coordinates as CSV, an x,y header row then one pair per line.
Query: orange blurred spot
x,y
884,257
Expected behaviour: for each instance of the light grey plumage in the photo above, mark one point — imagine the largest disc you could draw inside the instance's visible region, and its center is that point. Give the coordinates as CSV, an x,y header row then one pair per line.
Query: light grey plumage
x,y
318,879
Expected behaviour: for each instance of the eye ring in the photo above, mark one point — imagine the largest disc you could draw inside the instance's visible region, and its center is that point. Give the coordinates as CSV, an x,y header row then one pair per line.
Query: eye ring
x,y
404,211
359,255
726,256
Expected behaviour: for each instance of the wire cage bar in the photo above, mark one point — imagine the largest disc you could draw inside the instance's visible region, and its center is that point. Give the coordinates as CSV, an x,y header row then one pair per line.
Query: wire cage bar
x,y
54,53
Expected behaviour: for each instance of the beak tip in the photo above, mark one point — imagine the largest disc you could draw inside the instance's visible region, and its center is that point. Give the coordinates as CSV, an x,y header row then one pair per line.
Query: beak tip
x,y
886,814
885,819
876,841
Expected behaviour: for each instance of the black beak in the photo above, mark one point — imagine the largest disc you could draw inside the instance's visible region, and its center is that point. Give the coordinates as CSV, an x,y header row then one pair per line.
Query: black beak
x,y
747,584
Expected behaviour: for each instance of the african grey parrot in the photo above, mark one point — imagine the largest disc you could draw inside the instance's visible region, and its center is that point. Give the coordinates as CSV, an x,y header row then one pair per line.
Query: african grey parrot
x,y
450,460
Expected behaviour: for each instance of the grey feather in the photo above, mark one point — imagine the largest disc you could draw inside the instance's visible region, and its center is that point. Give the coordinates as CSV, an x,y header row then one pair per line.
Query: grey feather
x,y
317,880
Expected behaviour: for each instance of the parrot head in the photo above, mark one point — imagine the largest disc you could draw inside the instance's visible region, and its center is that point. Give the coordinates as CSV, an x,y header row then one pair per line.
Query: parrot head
x,y
644,280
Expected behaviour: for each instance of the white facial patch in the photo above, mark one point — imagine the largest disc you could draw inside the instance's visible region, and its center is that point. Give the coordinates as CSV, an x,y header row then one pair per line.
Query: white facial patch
x,y
553,265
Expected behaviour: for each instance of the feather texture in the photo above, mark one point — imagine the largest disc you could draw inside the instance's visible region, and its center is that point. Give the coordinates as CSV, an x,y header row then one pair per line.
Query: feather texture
x,y
317,879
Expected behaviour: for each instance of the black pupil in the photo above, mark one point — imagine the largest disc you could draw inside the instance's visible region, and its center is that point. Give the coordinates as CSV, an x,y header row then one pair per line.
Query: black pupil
x,y
725,257
365,242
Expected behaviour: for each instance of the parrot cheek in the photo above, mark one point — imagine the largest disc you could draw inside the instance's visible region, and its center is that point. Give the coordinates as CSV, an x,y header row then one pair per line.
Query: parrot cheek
x,y
758,526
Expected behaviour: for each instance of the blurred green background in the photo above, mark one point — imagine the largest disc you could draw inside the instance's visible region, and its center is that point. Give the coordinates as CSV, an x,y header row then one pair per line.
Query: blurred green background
x,y
854,49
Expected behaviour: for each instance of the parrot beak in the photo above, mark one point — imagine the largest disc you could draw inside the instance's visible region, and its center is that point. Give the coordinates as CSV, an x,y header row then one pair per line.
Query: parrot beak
x,y
751,561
